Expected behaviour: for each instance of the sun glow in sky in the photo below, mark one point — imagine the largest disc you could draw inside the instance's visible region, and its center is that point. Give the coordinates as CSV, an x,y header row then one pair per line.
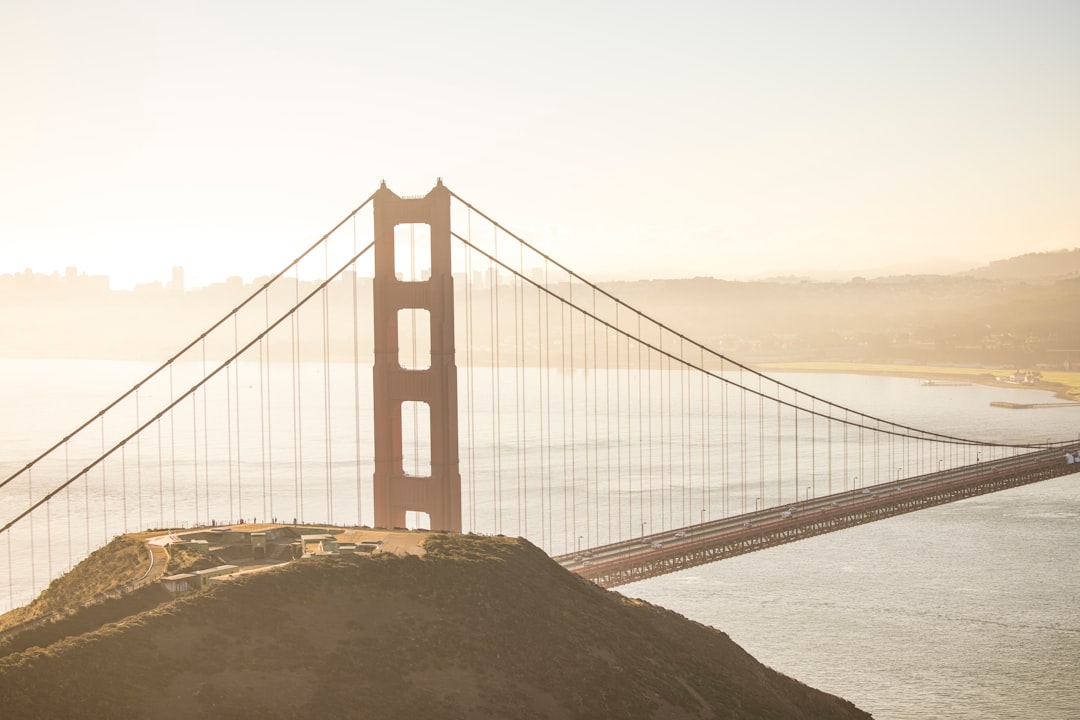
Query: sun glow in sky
x,y
625,139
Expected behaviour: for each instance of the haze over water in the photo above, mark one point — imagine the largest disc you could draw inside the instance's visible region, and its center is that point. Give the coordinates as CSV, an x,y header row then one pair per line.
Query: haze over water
x,y
962,611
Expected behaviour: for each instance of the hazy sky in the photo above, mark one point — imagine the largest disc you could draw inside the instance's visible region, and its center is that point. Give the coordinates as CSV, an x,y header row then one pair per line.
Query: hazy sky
x,y
625,138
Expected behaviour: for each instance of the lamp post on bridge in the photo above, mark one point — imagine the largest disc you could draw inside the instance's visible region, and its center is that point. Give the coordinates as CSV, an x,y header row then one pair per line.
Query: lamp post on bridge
x,y
579,537
807,498
757,504
940,464
898,473
643,524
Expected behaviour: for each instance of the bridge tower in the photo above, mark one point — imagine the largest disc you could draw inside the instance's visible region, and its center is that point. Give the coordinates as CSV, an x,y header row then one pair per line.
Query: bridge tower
x,y
396,492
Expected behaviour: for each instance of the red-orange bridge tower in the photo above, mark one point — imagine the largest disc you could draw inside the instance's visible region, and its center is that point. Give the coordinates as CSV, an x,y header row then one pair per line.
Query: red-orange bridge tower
x,y
438,494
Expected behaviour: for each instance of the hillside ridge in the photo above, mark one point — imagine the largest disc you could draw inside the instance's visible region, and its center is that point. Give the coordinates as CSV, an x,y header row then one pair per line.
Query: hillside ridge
x,y
479,627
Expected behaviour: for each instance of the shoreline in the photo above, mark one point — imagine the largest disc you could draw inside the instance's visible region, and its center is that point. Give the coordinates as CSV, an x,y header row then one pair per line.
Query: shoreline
x,y
1063,385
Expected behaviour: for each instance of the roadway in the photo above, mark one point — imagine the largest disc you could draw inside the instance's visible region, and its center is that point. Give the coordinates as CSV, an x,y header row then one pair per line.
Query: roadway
x,y
671,550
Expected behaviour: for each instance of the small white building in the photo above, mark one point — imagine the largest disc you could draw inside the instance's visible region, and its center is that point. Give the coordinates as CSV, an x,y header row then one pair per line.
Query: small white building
x,y
178,584
203,577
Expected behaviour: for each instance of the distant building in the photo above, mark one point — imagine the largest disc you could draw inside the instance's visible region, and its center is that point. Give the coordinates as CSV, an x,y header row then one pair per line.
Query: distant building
x,y
176,284
182,583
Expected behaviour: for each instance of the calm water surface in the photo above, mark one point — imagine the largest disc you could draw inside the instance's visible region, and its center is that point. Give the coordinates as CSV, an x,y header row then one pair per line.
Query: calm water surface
x,y
970,610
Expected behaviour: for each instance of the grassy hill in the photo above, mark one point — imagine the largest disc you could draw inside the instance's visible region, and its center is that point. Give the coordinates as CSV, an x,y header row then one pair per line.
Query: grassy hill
x,y
476,628
107,569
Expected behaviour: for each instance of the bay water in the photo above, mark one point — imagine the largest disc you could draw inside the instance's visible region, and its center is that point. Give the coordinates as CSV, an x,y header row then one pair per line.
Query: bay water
x,y
969,610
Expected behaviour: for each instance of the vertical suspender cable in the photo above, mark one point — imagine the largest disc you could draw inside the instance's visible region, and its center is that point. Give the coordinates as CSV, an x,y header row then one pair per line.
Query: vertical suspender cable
x,y
263,345
877,452
597,374
862,445
684,430
742,433
104,491
194,455
229,432
545,484
706,454
590,500
651,440
298,372
470,398
295,410
708,442
30,501
48,532
725,499
161,477
607,416
663,417
123,494
829,442
206,435
796,403
138,466
547,401
892,458
496,443
356,382
846,426
172,446
67,494
569,511
632,468
573,411
518,405
761,444
640,426
236,373
813,445
779,448
10,574
327,418
618,429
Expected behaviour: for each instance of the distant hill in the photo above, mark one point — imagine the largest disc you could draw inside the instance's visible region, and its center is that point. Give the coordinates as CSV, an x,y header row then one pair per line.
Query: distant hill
x,y
1033,267
477,628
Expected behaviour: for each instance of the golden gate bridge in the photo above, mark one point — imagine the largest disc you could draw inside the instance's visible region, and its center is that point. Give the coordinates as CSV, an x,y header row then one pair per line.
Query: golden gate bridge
x,y
421,365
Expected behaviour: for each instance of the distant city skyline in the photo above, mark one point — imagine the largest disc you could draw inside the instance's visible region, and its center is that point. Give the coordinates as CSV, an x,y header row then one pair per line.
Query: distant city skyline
x,y
626,139
177,277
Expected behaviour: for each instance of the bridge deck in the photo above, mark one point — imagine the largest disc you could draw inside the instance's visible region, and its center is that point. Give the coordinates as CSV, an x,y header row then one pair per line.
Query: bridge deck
x,y
662,553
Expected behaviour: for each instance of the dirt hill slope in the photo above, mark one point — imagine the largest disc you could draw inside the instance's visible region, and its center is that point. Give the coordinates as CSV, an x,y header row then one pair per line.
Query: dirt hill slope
x,y
477,628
